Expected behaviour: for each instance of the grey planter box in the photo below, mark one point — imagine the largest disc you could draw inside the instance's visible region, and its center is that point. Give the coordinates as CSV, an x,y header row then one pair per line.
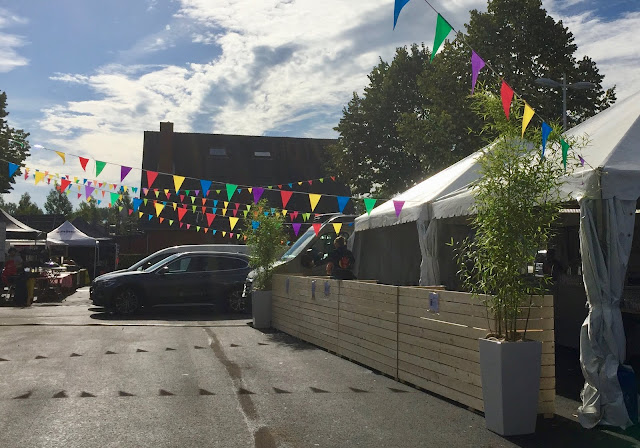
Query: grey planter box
x,y
261,308
510,385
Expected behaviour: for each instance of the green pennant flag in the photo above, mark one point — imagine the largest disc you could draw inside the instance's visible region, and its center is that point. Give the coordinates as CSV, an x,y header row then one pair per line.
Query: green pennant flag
x,y
322,180
245,213
171,222
193,199
193,207
442,31
114,197
187,192
197,228
99,167
218,191
305,216
565,152
120,207
231,188
145,200
248,206
369,203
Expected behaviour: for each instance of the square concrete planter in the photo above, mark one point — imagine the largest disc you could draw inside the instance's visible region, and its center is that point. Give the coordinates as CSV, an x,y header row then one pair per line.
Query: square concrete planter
x,y
261,309
510,385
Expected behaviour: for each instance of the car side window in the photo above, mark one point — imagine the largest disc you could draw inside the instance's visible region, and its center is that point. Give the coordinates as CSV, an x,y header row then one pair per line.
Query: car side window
x,y
180,265
228,263
211,264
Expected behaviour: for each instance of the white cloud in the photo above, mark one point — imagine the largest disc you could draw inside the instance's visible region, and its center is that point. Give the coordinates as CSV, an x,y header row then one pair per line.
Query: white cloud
x,y
9,43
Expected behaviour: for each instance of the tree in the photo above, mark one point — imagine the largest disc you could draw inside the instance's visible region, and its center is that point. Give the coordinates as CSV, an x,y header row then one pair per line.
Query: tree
x,y
26,207
415,117
90,212
265,242
13,146
58,203
123,223
8,207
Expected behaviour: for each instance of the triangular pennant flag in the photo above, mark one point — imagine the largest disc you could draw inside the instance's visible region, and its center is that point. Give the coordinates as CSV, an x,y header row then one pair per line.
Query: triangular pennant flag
x,y
204,201
181,213
255,224
197,228
305,216
218,191
80,195
149,217
83,162
565,152
506,93
99,167
159,208
64,184
145,201
204,209
442,31
161,220
296,227
167,193
124,170
210,218
396,10
342,202
294,215
245,213
336,227
206,185
313,199
103,192
188,226
280,186
235,213
88,191
193,208
174,206
226,204
284,213
310,182
62,156
224,212
156,192
197,192
290,185
181,198
206,229
369,204
526,117
193,199
286,195
39,176
257,193
398,206
316,228
177,182
151,178
233,222
321,180
181,224
224,233
136,203
12,169
546,131
115,197
231,188
171,222
273,211
476,65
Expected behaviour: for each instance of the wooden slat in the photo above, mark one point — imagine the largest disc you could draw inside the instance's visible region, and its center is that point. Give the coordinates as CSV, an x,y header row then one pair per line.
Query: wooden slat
x,y
444,380
367,336
311,311
460,297
369,311
373,360
364,286
390,353
477,310
367,302
346,321
458,375
299,305
473,402
433,346
372,321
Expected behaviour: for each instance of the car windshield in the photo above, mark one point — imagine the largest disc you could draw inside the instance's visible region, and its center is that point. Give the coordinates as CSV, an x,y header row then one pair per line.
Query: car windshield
x,y
299,245
162,262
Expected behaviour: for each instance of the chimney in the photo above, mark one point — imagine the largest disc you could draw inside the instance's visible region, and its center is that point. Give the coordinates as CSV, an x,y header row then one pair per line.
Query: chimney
x,y
165,158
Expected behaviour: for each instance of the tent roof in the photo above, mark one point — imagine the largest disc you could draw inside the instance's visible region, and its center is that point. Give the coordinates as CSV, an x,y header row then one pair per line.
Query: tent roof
x,y
17,229
612,169
67,234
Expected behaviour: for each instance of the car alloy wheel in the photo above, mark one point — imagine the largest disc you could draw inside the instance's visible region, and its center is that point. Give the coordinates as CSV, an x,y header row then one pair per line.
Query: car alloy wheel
x,y
126,302
237,303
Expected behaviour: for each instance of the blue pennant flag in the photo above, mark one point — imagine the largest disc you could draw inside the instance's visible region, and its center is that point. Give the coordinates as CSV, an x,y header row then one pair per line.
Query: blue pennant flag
x,y
342,201
290,185
273,211
255,224
214,210
206,185
214,232
266,213
546,130
12,168
215,203
150,216
396,10
136,203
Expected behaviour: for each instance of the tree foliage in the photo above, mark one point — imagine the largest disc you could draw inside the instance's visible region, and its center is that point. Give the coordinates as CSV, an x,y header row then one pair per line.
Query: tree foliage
x,y
265,243
58,203
415,118
90,212
8,207
26,207
13,146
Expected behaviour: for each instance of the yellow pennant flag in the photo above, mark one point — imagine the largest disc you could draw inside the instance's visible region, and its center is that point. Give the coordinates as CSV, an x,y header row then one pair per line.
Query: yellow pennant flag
x,y
177,181
224,233
284,213
337,226
62,156
233,222
224,212
250,190
40,176
226,205
299,183
159,208
140,214
125,188
174,206
313,199
526,118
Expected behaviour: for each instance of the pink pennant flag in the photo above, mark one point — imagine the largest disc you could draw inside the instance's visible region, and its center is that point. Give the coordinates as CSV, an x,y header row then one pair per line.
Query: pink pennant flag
x,y
188,226
294,215
124,170
398,206
476,65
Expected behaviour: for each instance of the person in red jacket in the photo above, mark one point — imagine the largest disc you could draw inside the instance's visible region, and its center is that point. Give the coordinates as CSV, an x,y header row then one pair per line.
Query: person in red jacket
x,y
11,266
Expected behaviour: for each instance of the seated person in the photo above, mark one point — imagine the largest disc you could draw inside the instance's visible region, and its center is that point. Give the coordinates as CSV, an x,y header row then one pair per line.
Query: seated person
x,y
12,266
341,261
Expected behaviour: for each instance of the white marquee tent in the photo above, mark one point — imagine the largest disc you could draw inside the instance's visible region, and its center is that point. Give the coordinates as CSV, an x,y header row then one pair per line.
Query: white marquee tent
x,y
607,189
68,235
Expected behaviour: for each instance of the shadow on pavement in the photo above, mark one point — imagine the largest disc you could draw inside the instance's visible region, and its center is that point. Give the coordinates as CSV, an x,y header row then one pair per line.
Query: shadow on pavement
x,y
171,314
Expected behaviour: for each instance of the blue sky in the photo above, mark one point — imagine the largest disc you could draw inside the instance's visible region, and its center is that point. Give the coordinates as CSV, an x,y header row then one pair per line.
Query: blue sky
x,y
88,77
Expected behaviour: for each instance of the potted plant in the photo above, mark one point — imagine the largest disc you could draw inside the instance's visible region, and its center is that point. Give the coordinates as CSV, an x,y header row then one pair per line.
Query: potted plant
x,y
517,199
265,240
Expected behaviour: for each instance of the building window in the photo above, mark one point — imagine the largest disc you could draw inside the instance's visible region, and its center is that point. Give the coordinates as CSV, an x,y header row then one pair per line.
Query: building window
x,y
262,154
218,152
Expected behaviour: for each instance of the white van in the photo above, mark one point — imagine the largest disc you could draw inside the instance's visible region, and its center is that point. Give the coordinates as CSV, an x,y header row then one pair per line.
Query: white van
x,y
164,253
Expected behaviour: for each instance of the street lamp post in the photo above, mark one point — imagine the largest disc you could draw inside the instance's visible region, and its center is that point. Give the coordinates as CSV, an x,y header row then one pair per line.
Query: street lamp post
x,y
582,85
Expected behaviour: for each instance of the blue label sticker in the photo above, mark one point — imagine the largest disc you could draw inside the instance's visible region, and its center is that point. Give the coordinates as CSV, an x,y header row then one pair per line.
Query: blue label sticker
x,y
287,285
313,289
434,302
327,288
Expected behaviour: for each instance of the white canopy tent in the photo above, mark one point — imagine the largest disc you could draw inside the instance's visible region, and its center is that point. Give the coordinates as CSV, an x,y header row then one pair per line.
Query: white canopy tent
x,y
68,235
607,189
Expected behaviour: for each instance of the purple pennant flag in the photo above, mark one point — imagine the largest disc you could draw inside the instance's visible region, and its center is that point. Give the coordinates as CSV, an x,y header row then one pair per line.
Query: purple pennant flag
x,y
476,65
257,193
88,191
197,192
124,170
398,206
296,227
581,161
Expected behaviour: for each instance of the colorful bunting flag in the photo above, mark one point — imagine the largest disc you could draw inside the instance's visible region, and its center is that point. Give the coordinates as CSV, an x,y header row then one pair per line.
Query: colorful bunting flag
x,y
116,196
257,193
62,156
526,117
296,228
136,203
206,185
83,162
336,227
506,93
64,184
313,199
369,203
159,208
12,169
210,218
286,195
398,206
442,31
177,182
476,65
124,170
233,222
231,188
181,213
99,167
342,202
316,227
88,191
546,131
565,152
39,176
